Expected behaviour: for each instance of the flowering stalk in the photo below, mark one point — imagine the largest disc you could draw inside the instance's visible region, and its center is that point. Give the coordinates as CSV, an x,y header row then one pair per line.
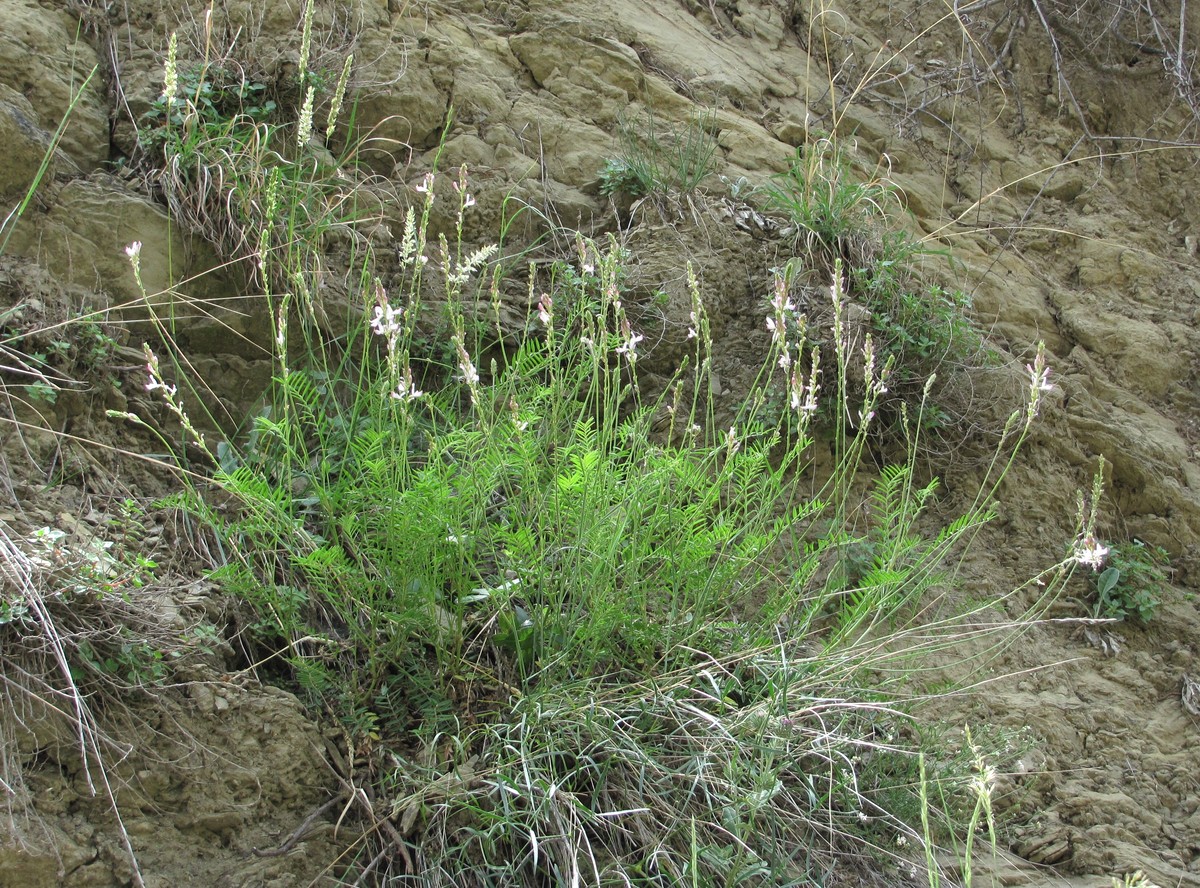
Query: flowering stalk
x,y
629,341
468,374
777,321
304,127
339,95
281,331
875,384
412,252
134,252
840,346
171,74
270,217
387,321
156,383
700,331
1039,383
545,313
803,390
1088,551
305,40
465,199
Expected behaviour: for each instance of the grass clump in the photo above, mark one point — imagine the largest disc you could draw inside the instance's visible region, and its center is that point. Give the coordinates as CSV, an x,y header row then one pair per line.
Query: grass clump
x,y
835,215
660,159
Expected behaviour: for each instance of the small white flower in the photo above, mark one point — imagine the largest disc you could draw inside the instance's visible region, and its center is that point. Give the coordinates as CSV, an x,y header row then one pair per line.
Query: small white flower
x,y
460,185
407,390
386,321
629,346
404,393
785,361
466,367
1039,381
781,302
588,268
1090,552
156,383
426,186
1040,377
731,441
134,251
545,307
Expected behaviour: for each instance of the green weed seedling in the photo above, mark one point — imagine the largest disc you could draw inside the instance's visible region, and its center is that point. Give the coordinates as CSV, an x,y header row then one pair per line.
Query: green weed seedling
x,y
1131,584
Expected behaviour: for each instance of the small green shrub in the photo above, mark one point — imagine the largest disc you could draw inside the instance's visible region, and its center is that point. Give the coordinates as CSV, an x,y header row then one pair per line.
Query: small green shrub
x,y
1131,583
41,391
922,326
56,356
618,178
602,609
213,96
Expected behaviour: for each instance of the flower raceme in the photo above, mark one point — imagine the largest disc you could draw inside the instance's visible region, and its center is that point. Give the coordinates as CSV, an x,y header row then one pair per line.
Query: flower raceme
x,y
1039,381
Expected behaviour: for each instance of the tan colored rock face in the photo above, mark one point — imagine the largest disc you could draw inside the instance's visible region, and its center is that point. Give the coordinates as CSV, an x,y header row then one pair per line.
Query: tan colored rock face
x,y
46,58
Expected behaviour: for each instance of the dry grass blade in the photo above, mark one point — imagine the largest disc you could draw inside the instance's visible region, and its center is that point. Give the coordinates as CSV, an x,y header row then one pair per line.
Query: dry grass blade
x,y
22,576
